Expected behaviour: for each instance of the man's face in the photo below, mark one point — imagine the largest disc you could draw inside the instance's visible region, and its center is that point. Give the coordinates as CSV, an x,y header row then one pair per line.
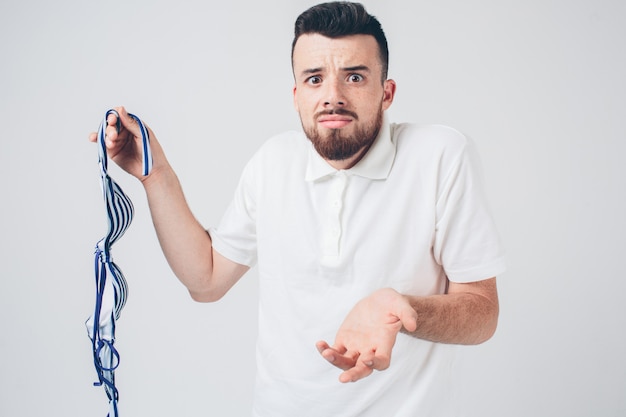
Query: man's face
x,y
340,95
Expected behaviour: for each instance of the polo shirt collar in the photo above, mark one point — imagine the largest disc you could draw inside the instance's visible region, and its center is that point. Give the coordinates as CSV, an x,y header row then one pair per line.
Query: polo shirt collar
x,y
375,165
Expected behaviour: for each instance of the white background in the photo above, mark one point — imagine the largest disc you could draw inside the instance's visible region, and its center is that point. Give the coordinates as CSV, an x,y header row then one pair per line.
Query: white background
x,y
538,84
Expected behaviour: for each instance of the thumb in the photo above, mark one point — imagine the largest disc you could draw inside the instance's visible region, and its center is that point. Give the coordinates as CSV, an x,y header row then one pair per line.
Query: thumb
x,y
128,122
408,317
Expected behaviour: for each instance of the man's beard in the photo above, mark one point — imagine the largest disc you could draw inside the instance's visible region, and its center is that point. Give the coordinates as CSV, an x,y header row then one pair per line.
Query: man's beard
x,y
338,147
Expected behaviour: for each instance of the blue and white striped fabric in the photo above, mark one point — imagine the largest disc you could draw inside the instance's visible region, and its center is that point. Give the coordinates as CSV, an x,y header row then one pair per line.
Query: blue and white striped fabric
x,y
111,293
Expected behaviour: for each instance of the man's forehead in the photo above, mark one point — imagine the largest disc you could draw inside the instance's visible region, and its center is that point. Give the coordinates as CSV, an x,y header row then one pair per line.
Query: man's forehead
x,y
351,50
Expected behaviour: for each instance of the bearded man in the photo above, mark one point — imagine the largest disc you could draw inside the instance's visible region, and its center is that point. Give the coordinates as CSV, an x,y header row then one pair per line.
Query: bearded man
x,y
371,238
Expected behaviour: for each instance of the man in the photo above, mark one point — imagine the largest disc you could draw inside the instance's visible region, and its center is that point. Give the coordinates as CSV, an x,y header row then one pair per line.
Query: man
x,y
371,235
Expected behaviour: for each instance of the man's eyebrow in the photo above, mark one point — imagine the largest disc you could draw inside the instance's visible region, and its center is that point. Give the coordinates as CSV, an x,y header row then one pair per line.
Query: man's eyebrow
x,y
356,68
311,71
363,68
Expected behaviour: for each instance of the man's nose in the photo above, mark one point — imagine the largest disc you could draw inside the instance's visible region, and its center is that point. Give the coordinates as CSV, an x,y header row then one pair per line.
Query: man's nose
x,y
334,94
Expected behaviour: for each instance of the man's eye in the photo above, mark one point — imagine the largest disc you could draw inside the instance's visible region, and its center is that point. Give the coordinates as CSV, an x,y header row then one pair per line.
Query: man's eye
x,y
314,80
355,78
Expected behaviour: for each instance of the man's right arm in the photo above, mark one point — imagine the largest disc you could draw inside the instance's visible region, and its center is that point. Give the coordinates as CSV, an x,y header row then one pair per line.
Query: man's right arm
x,y
185,243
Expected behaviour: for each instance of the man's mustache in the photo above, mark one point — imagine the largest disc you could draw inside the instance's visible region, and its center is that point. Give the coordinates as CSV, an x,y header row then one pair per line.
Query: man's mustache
x,y
341,112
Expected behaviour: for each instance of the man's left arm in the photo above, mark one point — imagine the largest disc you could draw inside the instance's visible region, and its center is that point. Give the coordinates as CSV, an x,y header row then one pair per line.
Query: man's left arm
x,y
466,314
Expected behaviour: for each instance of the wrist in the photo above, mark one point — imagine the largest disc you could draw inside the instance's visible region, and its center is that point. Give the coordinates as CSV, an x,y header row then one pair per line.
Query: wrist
x,y
161,176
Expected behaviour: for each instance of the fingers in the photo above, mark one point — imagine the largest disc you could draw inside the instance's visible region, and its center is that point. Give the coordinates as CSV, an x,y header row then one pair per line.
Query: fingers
x,y
359,371
366,337
113,119
321,346
122,134
124,120
120,125
378,359
338,356
364,365
112,129
356,365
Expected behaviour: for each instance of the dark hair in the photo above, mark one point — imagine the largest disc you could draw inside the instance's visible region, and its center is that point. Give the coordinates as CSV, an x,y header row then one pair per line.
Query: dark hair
x,y
339,19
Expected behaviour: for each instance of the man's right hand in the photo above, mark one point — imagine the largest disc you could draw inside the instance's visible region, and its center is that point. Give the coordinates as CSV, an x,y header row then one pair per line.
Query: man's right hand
x,y
125,147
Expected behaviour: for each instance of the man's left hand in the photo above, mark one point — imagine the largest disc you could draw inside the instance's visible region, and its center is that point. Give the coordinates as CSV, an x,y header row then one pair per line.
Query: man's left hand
x,y
367,335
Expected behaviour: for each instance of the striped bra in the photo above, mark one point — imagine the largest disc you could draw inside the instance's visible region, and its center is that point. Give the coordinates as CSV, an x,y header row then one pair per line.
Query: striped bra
x,y
111,293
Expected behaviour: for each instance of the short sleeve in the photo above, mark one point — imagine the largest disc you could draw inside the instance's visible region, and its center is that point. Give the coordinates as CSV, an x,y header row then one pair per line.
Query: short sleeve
x,y
467,244
235,236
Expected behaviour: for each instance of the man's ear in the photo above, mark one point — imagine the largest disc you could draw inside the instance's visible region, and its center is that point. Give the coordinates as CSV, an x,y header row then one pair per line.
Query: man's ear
x,y
389,92
295,101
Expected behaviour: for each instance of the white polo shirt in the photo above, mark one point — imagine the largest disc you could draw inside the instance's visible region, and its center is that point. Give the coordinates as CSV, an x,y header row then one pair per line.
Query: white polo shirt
x,y
410,215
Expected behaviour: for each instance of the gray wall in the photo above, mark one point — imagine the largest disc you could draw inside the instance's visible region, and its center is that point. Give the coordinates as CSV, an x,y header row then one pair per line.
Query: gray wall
x,y
539,85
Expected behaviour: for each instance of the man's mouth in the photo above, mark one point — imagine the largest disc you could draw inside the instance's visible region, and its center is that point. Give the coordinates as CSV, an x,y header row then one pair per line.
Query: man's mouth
x,y
334,122
336,119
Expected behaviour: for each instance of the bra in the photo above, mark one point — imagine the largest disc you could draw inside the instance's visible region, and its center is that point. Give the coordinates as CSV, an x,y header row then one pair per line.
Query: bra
x,y
111,286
